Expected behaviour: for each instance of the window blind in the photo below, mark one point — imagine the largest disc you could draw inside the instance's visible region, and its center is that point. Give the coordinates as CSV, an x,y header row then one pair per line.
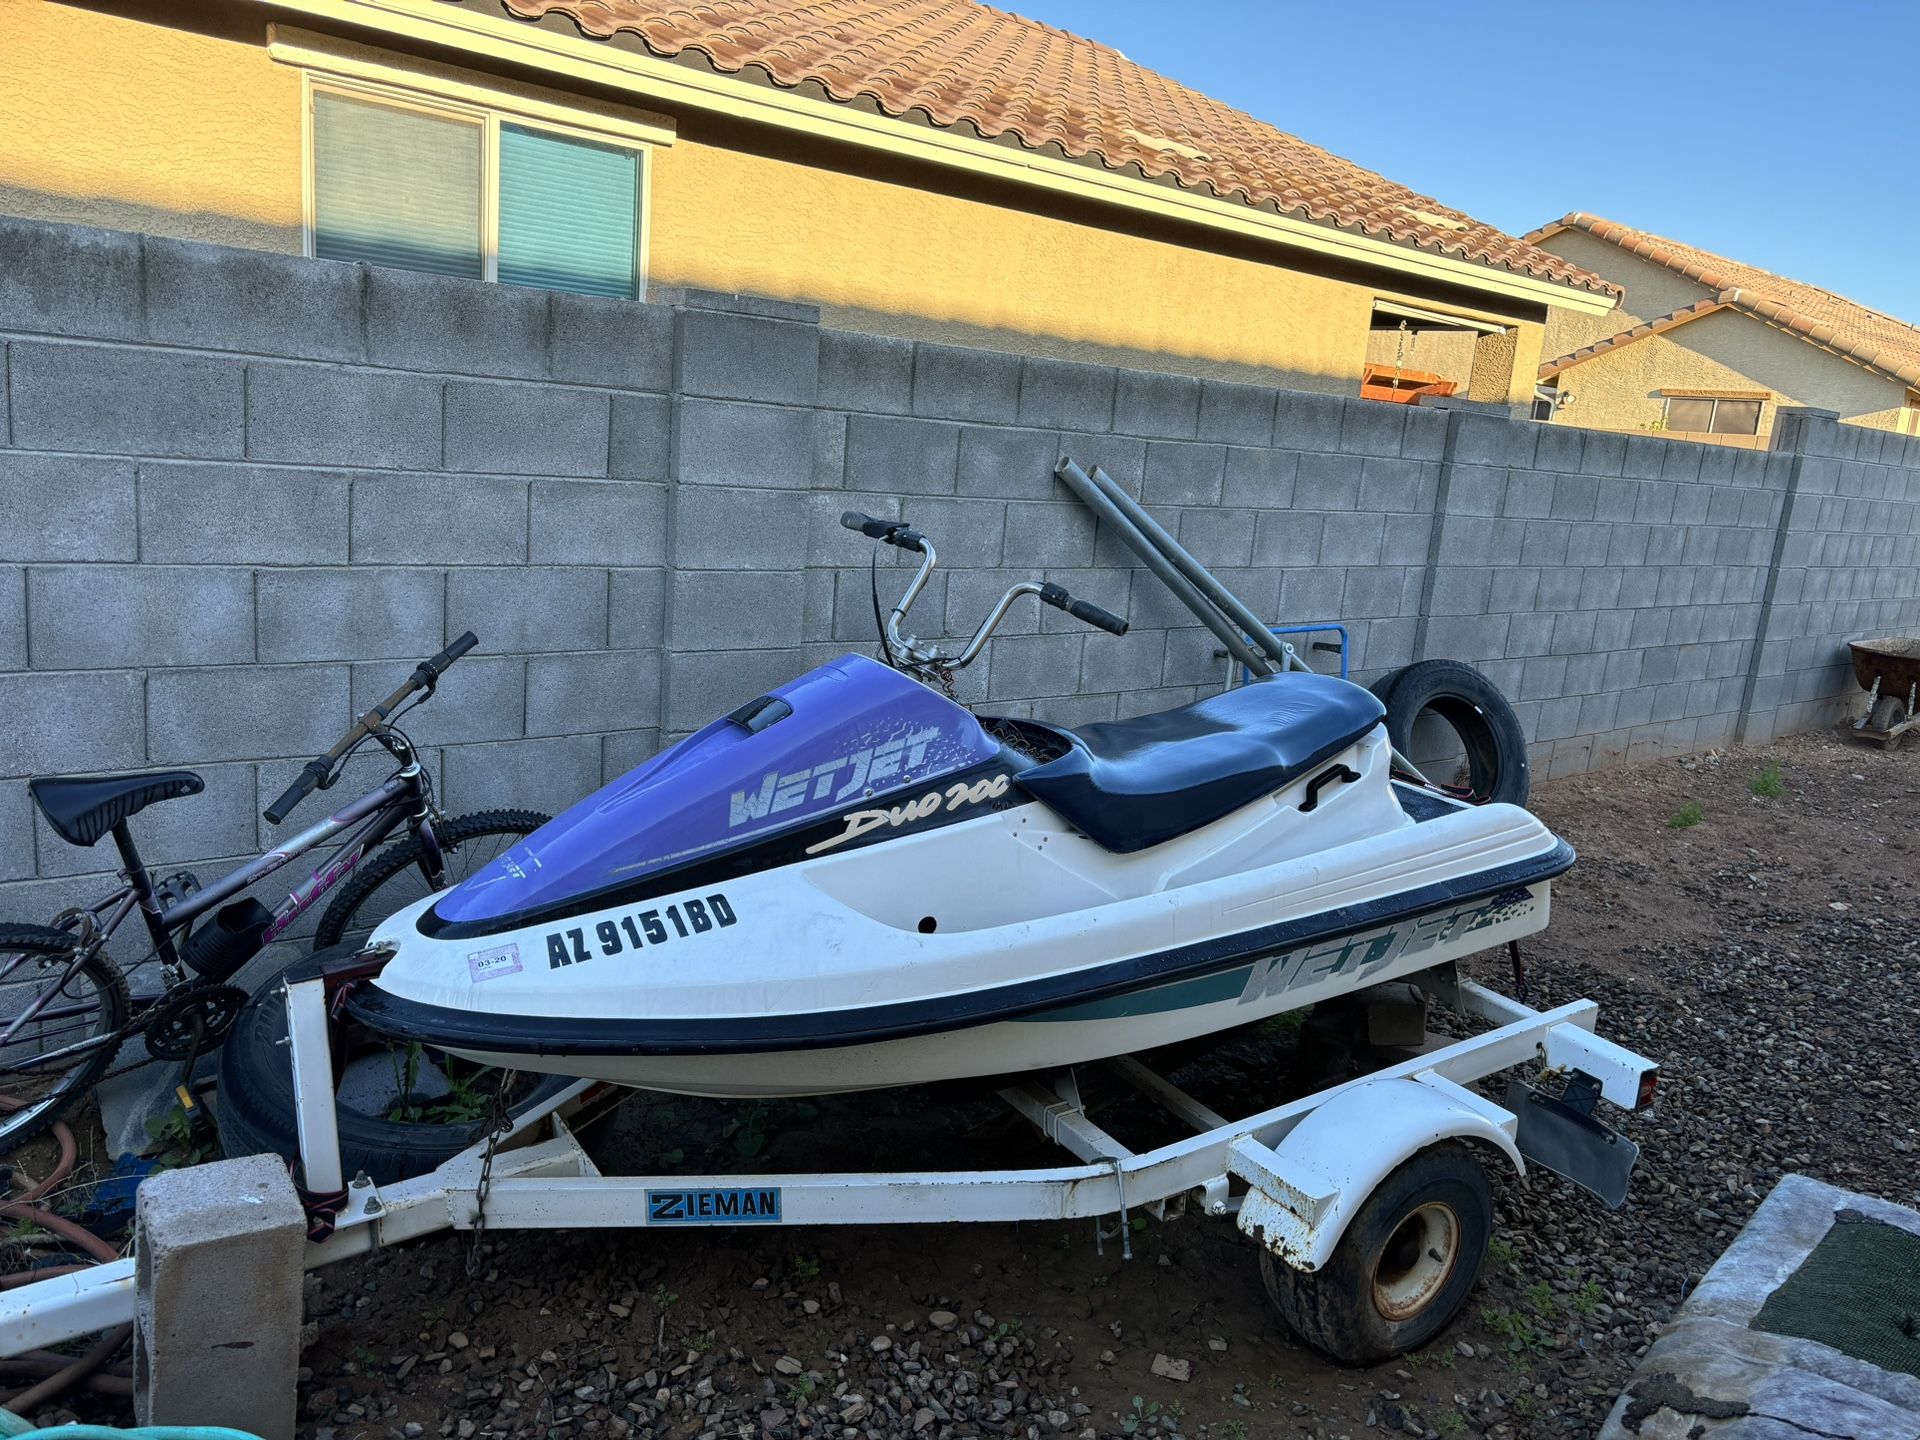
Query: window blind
x,y
569,212
396,187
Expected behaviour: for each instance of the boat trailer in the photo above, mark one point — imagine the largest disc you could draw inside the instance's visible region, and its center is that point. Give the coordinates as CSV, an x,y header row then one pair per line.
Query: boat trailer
x,y
1294,1175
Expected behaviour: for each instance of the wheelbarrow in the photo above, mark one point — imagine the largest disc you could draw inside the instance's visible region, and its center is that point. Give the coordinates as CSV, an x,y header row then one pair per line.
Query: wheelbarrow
x,y
1888,669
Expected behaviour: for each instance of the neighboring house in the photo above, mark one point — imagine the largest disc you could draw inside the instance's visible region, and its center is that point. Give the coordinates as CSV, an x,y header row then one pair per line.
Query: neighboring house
x,y
1710,349
932,168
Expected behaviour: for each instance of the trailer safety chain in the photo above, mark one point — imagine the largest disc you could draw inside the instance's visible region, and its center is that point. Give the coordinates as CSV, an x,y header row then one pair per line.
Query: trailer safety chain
x,y
499,1123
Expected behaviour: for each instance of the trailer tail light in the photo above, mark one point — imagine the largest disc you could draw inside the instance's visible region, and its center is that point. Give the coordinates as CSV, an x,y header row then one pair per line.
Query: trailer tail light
x,y
1648,1080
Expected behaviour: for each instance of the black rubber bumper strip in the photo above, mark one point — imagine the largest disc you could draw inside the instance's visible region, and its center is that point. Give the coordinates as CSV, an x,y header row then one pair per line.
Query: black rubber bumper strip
x,y
499,1034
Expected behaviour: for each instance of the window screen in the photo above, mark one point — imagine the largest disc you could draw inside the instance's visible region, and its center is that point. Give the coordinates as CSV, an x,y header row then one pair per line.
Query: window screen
x,y
1736,417
568,213
1689,413
393,186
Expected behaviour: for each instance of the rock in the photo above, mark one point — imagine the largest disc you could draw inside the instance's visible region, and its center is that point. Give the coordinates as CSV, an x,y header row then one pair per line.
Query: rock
x,y
880,1344
458,1341
787,1365
943,1319
1216,1344
1168,1368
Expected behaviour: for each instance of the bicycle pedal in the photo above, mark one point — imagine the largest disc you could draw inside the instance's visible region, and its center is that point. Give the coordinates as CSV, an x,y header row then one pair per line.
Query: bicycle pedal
x,y
185,1097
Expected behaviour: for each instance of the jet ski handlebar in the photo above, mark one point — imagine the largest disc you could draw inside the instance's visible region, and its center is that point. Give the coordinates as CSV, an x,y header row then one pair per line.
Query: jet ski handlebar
x,y
318,772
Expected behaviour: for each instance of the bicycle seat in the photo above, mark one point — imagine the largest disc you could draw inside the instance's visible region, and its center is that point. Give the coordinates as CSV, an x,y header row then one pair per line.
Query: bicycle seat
x,y
82,810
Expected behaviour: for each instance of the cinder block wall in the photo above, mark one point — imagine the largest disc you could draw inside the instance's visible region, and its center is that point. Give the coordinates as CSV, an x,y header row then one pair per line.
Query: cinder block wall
x,y
242,492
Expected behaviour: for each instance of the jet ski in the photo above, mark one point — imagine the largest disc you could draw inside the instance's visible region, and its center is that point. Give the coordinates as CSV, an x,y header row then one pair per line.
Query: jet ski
x,y
854,882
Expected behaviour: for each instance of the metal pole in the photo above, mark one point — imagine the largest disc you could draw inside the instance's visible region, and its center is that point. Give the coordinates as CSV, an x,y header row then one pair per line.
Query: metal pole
x,y
1202,578
1184,590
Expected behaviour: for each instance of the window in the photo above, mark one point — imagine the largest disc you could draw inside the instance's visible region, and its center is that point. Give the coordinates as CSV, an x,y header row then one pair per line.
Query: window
x,y
430,184
1714,414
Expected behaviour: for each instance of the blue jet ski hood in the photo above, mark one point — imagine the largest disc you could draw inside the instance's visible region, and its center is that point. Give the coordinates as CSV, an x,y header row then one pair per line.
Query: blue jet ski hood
x,y
838,737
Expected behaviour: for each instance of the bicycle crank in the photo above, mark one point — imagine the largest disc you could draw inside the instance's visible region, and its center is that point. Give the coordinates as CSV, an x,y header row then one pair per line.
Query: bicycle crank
x,y
192,1021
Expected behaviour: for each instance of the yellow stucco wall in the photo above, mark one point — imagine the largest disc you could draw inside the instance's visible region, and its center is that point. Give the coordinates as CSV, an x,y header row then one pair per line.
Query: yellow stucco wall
x,y
115,121
109,121
1652,291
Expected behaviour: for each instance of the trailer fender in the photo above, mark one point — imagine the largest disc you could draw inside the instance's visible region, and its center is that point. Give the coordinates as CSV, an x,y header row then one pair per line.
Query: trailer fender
x,y
1303,1191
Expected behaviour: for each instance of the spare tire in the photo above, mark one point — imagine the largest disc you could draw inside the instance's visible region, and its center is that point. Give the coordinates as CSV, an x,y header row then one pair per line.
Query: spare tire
x,y
256,1101
1473,707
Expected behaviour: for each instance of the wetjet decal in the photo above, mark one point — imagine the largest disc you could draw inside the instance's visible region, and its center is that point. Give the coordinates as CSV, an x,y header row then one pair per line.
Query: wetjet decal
x,y
638,930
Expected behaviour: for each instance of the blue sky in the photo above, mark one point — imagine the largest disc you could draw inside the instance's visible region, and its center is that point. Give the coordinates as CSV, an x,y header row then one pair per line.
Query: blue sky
x,y
1771,131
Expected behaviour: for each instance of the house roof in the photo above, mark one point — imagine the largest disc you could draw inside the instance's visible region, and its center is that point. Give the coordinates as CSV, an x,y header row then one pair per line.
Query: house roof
x,y
1853,331
958,63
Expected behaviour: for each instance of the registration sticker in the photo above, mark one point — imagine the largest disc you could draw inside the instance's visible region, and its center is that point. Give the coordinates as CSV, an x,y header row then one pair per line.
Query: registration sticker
x,y
492,964
759,1204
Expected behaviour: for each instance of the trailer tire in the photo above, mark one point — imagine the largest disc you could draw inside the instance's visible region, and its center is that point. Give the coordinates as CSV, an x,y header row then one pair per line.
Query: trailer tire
x,y
1478,714
1383,1292
256,1111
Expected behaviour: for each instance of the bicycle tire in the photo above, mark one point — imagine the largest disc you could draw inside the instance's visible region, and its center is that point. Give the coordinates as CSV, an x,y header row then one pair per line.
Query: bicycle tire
x,y
17,1127
406,854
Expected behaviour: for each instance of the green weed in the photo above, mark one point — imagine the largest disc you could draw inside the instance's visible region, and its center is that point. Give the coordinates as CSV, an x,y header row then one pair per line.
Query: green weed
x,y
1768,784
1686,817
805,1267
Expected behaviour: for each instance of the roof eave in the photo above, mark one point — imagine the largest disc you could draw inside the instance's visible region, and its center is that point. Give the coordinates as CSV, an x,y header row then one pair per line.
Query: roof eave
x,y
671,83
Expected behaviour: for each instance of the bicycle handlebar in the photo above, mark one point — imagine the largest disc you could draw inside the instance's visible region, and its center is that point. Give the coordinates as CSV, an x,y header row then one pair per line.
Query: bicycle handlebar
x,y
892,532
1086,610
425,675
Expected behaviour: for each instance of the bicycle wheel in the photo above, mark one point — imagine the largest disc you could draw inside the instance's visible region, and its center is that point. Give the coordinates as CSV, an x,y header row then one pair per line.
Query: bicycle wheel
x,y
55,1057
393,879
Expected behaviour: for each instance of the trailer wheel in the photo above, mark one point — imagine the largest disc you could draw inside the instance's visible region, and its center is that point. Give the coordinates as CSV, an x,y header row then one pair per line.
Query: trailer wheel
x,y
1404,1267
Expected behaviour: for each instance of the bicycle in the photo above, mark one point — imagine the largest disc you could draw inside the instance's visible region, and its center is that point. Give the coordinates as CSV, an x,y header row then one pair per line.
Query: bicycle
x,y
65,1006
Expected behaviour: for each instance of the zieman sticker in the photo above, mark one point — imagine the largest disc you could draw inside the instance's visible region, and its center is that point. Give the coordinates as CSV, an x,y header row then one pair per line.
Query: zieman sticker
x,y
642,929
714,1207
954,797
492,964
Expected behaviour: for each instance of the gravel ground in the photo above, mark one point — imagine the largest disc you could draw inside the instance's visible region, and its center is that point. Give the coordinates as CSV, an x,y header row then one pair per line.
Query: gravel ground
x,y
1747,917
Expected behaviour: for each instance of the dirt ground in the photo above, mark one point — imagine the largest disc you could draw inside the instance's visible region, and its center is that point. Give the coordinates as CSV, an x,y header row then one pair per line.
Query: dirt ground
x,y
1748,917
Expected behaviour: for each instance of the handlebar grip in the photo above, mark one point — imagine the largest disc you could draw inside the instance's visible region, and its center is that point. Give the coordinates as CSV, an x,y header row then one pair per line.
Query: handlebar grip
x,y
439,664
302,787
1091,613
865,524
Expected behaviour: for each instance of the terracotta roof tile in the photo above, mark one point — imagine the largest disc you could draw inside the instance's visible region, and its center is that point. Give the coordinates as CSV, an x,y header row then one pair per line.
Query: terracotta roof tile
x,y
961,63
1853,331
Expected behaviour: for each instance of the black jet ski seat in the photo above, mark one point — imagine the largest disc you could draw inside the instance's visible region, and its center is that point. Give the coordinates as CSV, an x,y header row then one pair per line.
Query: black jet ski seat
x,y
1129,784
81,811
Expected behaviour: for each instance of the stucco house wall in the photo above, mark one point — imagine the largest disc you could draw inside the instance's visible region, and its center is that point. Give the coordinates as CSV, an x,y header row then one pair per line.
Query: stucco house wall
x,y
124,121
1651,291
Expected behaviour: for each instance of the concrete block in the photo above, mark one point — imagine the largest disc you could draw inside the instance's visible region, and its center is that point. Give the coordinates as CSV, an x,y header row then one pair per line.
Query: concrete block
x,y
1027,667
737,609
548,775
1048,534
1513,588
13,618
1425,436
1645,458
185,829
953,382
971,594
1013,464
873,373
1463,590
529,608
241,712
417,321
899,456
1122,457
1473,638
1494,440
211,297
1545,542
1117,663
829,470
220,1250
17,820
1183,474
438,519
1217,537
61,507
1529,634
1587,542
1681,460
1376,591
1559,589
69,280
726,529
1065,395
703,685
731,356
592,340
640,446
589,693
1600,588
1476,490
1258,477
481,698
1070,711
104,617
966,532
1151,402
1353,539
1409,538
740,303
1372,427
1575,497
1573,632
1690,504
506,429
1529,495
42,738
366,613
625,751
1308,422
725,443
244,514
1236,414
636,609
1603,454
124,400
335,415
597,522
1558,448
1329,482
1396,486
1288,537
1309,595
